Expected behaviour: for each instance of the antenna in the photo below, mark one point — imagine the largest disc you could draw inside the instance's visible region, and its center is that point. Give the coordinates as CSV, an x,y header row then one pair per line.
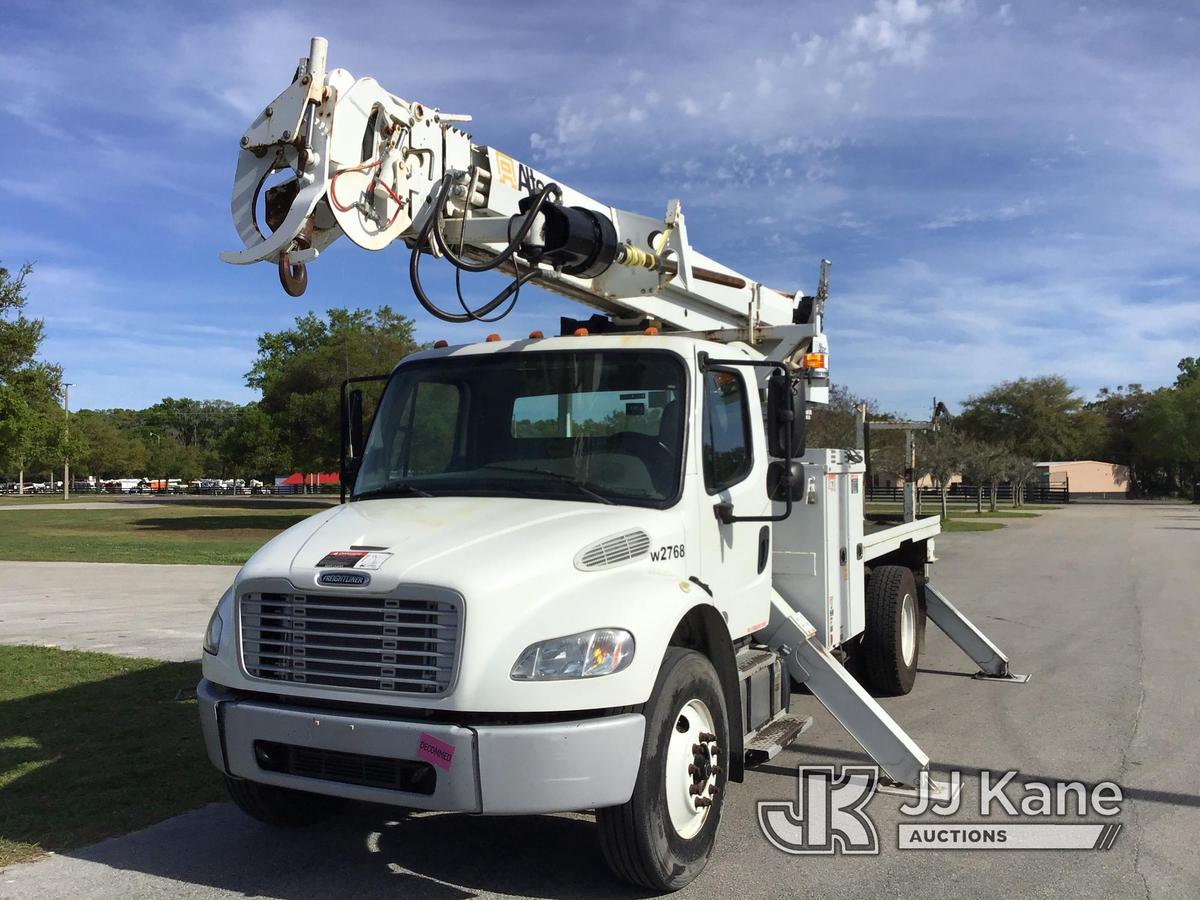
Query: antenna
x,y
823,287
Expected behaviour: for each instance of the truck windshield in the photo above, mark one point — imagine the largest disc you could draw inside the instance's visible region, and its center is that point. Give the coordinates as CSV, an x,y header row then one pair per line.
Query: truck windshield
x,y
600,426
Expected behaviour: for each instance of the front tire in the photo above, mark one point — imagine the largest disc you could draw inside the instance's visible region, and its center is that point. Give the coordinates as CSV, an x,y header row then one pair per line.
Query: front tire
x,y
281,807
891,642
662,838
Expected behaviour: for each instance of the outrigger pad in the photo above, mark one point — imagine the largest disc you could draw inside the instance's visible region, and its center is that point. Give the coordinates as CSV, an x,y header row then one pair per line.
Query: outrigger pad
x,y
1009,677
938,791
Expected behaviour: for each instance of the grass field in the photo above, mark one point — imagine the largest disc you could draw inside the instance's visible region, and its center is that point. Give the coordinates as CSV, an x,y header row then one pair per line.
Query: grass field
x,y
215,534
972,524
965,518
93,746
222,533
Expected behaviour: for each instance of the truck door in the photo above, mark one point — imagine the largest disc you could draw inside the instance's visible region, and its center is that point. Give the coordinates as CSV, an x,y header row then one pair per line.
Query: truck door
x,y
734,557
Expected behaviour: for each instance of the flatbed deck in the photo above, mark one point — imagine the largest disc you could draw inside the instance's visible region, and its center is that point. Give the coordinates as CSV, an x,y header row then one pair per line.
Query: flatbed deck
x,y
880,538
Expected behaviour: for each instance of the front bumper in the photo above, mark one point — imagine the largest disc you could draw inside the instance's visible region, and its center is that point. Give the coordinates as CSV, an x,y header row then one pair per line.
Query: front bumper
x,y
491,769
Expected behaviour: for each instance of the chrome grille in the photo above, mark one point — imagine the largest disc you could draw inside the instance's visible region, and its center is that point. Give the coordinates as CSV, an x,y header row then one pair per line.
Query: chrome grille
x,y
368,643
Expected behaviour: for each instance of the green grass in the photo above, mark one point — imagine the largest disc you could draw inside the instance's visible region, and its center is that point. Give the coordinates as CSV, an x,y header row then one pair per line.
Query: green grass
x,y
959,520
952,524
92,746
218,534
998,514
18,499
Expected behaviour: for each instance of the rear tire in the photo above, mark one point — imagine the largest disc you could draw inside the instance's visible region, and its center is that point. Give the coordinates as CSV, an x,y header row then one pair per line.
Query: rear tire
x,y
281,807
662,838
891,643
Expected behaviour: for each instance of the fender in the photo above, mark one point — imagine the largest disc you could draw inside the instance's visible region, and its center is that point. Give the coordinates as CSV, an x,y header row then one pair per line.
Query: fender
x,y
704,630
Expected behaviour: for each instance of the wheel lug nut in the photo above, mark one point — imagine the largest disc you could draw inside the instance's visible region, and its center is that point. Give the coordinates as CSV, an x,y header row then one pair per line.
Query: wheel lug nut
x,y
695,789
693,770
702,802
707,737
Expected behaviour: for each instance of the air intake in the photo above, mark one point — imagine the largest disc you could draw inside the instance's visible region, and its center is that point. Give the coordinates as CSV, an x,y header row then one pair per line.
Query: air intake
x,y
614,550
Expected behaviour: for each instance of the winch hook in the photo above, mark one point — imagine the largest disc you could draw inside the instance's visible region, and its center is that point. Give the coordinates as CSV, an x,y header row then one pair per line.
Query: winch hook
x,y
293,277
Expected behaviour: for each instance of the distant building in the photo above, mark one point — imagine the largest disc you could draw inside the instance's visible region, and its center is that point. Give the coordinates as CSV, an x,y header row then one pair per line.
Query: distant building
x,y
895,481
304,482
1087,478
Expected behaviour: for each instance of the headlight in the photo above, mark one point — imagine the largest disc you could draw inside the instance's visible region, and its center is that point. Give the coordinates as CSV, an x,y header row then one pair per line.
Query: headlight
x,y
212,634
590,653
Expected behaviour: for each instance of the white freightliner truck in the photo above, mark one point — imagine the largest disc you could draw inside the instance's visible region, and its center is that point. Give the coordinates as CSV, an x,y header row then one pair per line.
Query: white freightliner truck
x,y
579,572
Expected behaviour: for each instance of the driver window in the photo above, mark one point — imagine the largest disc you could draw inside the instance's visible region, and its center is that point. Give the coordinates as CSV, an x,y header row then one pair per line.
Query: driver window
x,y
726,439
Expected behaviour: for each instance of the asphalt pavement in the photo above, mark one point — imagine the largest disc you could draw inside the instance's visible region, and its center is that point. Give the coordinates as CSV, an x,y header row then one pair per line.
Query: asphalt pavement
x,y
1099,603
124,608
73,505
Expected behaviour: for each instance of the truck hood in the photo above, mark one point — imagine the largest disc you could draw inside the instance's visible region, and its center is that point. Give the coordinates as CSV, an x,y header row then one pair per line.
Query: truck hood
x,y
449,541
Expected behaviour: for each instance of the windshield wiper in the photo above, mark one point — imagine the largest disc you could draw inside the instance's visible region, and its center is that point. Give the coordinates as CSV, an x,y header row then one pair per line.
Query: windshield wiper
x,y
557,476
399,489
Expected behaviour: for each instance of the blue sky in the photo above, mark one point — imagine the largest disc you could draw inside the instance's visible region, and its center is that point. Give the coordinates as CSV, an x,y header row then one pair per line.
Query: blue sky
x,y
1005,189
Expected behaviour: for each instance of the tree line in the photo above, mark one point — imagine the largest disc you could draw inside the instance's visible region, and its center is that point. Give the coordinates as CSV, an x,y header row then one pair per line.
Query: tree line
x,y
996,438
297,370
1000,434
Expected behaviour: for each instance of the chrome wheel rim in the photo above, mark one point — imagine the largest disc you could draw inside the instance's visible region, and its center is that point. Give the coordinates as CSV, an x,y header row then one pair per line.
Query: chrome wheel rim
x,y
692,770
908,629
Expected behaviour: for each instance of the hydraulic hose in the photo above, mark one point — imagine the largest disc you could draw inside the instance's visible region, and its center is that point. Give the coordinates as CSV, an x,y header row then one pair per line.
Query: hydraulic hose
x,y
431,235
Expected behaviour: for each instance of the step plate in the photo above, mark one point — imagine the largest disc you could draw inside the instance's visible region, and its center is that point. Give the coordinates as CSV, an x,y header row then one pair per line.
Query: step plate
x,y
774,737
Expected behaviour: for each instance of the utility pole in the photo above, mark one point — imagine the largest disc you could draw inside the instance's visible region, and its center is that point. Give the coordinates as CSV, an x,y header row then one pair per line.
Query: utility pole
x,y
66,436
158,452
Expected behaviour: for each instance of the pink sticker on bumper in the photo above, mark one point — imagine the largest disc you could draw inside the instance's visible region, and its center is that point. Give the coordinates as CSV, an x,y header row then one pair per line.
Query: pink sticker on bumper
x,y
434,751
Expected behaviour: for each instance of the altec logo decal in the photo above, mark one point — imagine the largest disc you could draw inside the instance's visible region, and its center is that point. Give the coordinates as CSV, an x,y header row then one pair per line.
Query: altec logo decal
x,y
508,170
830,815
344,578
517,176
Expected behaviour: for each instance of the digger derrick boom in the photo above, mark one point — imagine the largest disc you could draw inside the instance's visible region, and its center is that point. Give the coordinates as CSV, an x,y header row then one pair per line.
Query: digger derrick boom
x,y
346,157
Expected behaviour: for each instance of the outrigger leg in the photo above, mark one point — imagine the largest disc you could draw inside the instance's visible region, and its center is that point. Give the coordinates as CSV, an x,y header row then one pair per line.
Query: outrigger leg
x,y
945,615
807,660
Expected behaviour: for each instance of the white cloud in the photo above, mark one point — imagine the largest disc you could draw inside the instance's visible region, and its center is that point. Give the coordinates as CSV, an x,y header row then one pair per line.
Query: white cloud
x,y
1166,281
38,189
969,216
894,28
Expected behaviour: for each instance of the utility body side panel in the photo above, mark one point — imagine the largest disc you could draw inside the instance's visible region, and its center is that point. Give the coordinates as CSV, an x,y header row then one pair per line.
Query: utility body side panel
x,y
817,566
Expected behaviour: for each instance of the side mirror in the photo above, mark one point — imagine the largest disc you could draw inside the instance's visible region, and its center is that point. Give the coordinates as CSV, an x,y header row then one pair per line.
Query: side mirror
x,y
354,425
785,416
350,472
785,479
